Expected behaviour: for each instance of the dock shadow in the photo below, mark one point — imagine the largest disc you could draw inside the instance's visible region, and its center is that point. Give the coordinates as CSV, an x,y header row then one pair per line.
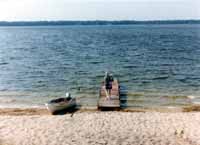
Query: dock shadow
x,y
123,97
109,109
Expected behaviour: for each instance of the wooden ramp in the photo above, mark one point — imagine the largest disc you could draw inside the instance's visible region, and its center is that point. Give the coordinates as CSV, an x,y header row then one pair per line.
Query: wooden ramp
x,y
114,101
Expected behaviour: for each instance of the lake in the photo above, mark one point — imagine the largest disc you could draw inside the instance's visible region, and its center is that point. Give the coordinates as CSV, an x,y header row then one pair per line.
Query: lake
x,y
157,65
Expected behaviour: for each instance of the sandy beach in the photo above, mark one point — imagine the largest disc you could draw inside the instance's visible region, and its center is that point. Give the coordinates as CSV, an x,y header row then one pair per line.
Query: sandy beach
x,y
100,128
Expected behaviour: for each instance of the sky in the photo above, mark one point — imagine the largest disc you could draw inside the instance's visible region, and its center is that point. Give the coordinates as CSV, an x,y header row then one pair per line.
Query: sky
x,y
34,10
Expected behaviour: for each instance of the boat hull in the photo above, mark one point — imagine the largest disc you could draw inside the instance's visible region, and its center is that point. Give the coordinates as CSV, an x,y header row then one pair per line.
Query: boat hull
x,y
64,105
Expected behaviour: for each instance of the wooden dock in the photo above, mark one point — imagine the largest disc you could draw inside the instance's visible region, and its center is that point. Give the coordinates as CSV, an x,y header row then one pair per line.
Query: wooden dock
x,y
114,101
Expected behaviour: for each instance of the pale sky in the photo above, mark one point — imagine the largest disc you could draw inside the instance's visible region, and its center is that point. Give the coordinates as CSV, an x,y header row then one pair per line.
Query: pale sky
x,y
33,10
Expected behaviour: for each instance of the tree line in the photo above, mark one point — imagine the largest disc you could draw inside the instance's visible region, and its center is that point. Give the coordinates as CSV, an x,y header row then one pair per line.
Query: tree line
x,y
99,22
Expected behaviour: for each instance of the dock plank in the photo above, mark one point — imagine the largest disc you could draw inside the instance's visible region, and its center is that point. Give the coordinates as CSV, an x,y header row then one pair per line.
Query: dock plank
x,y
114,101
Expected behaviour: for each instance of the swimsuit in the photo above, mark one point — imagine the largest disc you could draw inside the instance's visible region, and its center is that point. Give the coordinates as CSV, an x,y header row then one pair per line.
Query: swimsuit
x,y
108,83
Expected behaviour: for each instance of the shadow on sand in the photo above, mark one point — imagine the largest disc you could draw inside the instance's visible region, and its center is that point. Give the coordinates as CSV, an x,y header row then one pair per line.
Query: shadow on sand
x,y
71,111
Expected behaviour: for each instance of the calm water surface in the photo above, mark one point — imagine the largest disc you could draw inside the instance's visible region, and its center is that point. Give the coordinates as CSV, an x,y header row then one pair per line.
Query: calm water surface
x,y
157,65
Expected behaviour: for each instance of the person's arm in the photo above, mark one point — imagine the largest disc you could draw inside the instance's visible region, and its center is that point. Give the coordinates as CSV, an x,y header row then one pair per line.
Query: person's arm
x,y
104,80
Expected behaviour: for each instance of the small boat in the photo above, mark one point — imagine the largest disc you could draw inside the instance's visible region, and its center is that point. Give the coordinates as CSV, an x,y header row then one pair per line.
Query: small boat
x,y
60,104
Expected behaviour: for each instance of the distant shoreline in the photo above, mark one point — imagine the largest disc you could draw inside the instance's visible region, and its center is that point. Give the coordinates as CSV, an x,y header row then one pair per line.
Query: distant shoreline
x,y
98,22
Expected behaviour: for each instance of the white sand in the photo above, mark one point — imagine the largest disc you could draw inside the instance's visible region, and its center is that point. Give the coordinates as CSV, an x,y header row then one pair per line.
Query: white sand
x,y
102,128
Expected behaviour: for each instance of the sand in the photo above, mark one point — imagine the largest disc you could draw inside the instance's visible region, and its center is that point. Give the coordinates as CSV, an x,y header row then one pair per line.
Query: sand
x,y
101,128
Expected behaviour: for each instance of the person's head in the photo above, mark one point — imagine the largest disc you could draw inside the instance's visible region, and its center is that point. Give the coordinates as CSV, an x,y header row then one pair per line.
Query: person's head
x,y
106,73
68,94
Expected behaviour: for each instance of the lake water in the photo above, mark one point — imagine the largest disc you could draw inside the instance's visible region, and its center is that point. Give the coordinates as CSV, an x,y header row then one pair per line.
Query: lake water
x,y
157,65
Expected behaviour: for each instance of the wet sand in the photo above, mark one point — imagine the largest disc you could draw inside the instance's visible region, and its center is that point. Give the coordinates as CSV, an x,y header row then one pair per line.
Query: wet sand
x,y
26,111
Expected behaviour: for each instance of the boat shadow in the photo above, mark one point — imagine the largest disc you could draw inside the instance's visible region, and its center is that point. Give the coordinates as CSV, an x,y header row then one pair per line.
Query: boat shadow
x,y
71,111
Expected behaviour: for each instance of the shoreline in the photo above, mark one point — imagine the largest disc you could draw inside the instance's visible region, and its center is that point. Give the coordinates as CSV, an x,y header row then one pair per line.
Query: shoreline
x,y
43,111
